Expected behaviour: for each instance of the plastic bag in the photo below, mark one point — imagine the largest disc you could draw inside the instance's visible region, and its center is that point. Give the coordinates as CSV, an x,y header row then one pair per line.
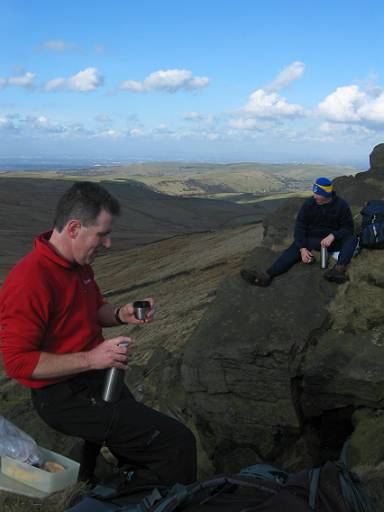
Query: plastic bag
x,y
18,445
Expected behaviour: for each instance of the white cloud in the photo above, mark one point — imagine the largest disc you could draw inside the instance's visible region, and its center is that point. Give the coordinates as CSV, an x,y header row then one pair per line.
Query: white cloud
x,y
249,124
344,129
286,76
372,111
45,124
196,117
137,132
171,80
271,105
42,127
343,104
111,134
193,116
266,104
87,80
103,119
58,45
98,48
349,104
6,123
212,136
131,85
23,80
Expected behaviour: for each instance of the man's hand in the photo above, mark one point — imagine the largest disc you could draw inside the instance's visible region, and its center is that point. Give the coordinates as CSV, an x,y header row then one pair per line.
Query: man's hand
x,y
306,256
127,315
328,240
110,354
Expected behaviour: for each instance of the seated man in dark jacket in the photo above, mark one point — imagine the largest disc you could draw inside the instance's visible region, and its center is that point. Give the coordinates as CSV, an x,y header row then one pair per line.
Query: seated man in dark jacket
x,y
324,220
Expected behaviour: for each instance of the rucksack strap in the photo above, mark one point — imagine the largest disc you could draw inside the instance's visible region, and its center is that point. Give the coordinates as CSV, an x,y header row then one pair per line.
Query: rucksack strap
x,y
181,494
90,504
178,493
355,499
343,453
314,478
115,487
266,471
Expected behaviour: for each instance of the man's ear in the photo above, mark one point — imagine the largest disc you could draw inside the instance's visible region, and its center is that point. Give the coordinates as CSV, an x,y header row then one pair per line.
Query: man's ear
x,y
73,227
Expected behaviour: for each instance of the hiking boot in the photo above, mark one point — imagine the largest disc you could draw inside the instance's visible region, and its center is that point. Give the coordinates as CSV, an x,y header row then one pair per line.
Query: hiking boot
x,y
336,274
256,278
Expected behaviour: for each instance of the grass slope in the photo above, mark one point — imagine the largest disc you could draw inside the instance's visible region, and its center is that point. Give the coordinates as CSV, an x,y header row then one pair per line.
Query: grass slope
x,y
235,182
27,207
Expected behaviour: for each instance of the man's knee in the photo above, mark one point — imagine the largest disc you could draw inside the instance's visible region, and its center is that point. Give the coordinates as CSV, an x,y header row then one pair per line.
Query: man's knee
x,y
186,438
180,435
185,454
349,237
349,242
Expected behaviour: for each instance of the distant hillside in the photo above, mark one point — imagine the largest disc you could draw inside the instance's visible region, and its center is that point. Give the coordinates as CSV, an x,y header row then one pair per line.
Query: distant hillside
x,y
27,208
241,182
237,182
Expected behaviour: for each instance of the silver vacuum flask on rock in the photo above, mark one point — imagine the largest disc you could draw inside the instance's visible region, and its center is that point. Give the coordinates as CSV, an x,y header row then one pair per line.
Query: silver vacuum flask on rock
x,y
324,257
114,381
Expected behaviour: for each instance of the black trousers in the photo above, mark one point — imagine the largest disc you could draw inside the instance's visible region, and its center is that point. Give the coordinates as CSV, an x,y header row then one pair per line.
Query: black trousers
x,y
150,443
290,256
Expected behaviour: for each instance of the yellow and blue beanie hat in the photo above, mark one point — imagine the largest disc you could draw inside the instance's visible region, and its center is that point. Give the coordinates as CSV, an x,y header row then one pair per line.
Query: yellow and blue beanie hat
x,y
323,187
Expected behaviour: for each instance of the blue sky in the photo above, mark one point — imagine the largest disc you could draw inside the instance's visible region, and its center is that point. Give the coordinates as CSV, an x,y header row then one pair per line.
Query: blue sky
x,y
180,80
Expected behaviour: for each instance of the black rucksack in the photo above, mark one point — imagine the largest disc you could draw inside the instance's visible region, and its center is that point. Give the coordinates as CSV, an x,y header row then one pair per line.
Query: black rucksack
x,y
372,228
258,488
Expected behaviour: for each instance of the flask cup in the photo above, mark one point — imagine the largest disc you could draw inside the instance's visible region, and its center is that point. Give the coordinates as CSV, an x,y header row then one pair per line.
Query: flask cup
x,y
140,308
113,383
324,257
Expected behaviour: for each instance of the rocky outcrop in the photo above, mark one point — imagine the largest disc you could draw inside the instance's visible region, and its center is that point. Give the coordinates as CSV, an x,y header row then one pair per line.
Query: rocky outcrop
x,y
376,159
364,186
285,371
282,374
241,363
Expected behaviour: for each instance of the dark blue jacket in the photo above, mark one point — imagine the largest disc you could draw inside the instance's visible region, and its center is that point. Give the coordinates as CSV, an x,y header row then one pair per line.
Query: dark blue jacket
x,y
318,221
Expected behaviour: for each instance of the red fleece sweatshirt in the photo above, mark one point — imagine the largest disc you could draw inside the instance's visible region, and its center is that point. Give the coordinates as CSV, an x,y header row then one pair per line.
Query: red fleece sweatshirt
x,y
47,304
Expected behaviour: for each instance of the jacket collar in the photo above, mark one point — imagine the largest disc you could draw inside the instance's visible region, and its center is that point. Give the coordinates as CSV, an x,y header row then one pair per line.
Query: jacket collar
x,y
45,248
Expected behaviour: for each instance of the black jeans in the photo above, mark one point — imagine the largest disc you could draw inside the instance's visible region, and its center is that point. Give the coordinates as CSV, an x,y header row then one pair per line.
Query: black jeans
x,y
156,446
290,256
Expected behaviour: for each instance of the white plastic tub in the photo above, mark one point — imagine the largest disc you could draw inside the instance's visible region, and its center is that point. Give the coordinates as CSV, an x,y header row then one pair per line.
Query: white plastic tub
x,y
39,478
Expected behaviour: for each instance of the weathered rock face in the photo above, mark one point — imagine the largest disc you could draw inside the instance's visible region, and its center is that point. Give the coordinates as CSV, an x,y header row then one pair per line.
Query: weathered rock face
x,y
376,159
282,370
278,225
241,363
346,367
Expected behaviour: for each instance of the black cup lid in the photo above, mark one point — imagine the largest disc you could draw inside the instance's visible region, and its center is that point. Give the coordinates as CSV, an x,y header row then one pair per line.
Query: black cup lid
x,y
141,304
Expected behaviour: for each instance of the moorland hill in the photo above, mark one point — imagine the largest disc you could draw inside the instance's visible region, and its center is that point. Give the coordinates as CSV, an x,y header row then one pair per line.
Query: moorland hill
x,y
256,376
27,207
239,182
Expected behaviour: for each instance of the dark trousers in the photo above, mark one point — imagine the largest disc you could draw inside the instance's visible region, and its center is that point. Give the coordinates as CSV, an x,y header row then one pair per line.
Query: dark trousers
x,y
160,449
290,256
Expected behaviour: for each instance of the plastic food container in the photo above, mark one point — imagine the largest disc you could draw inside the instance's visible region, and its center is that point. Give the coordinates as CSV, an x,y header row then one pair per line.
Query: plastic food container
x,y
39,478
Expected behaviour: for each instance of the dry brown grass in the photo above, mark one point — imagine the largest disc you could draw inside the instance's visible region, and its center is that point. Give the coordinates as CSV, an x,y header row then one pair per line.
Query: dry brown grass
x,y
56,502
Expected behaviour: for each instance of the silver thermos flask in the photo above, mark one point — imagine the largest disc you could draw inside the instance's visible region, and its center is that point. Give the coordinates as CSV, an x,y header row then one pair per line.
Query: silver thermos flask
x,y
114,381
324,257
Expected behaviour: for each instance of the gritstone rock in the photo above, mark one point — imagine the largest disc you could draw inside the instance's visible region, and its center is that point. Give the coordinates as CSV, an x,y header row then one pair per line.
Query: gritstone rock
x,y
288,365
376,159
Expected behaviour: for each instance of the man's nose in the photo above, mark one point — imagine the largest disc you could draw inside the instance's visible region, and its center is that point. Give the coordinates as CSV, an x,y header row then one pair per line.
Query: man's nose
x,y
107,242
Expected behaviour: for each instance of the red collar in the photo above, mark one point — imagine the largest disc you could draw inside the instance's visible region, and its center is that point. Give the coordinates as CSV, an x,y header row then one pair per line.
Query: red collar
x,y
44,247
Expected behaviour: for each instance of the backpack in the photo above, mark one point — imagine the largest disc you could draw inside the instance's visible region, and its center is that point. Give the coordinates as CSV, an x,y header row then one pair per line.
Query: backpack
x,y
259,488
372,229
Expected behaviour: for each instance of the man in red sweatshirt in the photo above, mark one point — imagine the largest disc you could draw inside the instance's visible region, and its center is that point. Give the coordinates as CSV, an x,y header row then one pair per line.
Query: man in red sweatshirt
x,y
51,319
